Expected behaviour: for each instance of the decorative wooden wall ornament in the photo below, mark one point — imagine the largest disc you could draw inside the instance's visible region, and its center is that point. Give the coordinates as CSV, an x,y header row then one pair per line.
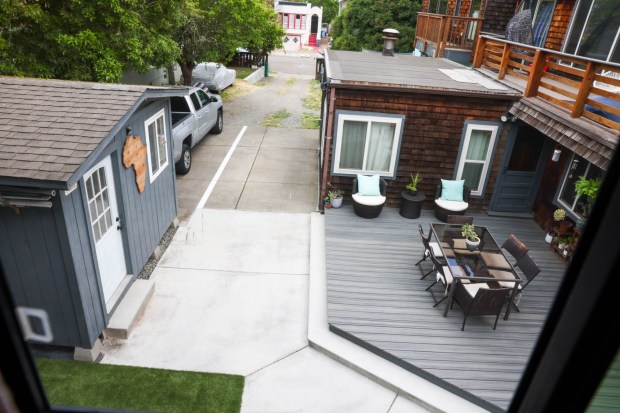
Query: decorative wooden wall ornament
x,y
134,154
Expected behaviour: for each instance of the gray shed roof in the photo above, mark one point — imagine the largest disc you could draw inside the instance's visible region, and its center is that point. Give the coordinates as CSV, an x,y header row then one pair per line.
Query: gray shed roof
x,y
48,128
372,69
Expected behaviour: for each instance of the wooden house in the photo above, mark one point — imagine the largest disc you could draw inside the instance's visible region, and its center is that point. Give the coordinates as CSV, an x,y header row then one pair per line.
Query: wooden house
x,y
301,22
87,190
430,113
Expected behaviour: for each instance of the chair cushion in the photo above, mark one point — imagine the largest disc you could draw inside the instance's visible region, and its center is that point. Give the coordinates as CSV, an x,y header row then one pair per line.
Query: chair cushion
x,y
459,244
495,260
455,206
452,190
436,250
504,275
473,288
368,185
369,200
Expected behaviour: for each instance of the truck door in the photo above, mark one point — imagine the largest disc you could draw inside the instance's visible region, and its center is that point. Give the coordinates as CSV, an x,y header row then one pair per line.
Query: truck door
x,y
200,118
208,113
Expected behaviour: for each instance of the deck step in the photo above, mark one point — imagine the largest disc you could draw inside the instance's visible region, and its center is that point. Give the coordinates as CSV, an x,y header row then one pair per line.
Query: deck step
x,y
130,309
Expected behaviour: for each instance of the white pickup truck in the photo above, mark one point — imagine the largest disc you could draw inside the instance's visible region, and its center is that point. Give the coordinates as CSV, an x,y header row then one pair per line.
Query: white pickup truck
x,y
194,115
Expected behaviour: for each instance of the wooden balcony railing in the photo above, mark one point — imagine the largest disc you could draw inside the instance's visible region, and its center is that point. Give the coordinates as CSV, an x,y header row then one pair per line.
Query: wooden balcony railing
x,y
437,32
580,85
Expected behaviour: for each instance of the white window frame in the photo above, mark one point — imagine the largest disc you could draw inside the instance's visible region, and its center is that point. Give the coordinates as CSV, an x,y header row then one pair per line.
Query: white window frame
x,y
570,209
469,128
147,123
571,28
369,117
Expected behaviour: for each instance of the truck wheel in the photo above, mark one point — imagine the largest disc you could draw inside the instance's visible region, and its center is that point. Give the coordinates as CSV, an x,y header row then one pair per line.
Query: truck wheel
x,y
219,124
185,163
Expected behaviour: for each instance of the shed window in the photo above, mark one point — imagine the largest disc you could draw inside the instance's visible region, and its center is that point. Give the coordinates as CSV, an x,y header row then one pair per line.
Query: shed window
x,y
367,143
98,203
475,155
157,144
566,195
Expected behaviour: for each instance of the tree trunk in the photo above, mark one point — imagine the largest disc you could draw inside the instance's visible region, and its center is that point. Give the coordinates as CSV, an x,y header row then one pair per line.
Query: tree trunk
x,y
186,71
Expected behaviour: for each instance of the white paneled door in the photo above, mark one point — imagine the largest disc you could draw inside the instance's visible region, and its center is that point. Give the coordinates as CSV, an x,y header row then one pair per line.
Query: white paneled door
x,y
105,226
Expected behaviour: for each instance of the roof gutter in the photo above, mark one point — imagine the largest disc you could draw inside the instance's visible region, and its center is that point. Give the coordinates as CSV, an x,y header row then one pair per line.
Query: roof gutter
x,y
404,89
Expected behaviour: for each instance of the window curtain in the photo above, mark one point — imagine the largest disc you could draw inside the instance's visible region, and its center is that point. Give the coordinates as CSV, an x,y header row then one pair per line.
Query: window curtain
x,y
380,146
542,21
477,152
352,146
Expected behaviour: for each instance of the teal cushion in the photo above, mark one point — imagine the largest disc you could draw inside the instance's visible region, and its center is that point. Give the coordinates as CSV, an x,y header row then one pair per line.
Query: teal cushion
x,y
452,190
368,185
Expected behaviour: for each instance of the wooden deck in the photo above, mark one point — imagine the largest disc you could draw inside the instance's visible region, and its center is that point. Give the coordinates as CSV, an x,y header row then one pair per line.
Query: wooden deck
x,y
376,299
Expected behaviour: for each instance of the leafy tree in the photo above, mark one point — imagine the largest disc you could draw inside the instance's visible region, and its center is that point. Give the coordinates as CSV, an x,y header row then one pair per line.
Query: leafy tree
x,y
213,29
361,24
86,39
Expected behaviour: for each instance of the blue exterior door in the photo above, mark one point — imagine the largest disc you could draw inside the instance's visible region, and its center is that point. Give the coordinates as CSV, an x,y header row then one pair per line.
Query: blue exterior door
x,y
527,151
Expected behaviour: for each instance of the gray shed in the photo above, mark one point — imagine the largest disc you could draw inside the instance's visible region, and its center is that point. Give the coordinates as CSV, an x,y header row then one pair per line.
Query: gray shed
x,y
87,190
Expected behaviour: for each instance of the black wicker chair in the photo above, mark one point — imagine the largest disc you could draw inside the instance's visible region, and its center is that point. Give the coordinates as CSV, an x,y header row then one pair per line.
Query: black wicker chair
x,y
460,219
515,247
373,209
441,213
478,299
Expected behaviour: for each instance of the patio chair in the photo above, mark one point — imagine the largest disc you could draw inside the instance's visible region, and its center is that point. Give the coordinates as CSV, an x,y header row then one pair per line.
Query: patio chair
x,y
460,219
443,276
451,198
515,247
368,206
530,270
479,299
428,246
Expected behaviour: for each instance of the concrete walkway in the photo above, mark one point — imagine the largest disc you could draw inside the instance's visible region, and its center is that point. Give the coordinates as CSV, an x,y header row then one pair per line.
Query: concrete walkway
x,y
232,289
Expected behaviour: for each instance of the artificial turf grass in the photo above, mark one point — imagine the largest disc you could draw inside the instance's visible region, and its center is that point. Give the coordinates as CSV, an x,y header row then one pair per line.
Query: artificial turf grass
x,y
74,383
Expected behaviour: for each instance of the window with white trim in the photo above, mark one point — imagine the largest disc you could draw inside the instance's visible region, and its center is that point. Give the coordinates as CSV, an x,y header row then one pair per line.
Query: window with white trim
x,y
594,30
367,143
476,154
567,198
156,144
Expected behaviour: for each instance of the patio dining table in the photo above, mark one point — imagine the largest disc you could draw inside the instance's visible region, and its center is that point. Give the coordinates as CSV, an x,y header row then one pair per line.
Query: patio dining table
x,y
471,266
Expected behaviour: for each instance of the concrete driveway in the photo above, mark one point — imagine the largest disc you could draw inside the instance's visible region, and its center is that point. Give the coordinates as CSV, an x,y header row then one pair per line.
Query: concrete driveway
x,y
231,291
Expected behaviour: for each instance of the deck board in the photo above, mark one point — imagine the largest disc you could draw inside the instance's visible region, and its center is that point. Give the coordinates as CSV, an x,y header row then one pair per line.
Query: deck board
x,y
375,296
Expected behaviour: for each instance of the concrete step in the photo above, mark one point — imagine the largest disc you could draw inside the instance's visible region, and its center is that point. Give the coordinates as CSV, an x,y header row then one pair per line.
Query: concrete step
x,y
130,309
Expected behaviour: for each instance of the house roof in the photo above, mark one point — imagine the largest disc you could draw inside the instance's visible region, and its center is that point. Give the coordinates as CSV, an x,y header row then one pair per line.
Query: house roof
x,y
370,69
48,128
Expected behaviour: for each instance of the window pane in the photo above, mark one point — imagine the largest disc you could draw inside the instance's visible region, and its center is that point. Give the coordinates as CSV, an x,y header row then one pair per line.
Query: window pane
x,y
478,145
576,169
102,180
601,30
162,140
89,188
96,231
153,147
353,143
526,151
195,101
578,23
99,201
104,196
204,99
96,186
380,146
472,174
108,219
93,212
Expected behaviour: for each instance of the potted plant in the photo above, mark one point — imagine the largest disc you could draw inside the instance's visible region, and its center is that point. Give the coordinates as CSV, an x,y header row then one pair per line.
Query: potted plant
x,y
471,237
588,188
334,196
563,243
559,216
412,187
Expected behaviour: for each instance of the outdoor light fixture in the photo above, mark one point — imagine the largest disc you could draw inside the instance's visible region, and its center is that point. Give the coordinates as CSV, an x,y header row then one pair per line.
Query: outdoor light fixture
x,y
128,130
508,117
556,155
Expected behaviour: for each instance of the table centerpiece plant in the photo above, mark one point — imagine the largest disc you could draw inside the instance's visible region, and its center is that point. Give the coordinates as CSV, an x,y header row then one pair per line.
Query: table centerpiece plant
x,y
471,237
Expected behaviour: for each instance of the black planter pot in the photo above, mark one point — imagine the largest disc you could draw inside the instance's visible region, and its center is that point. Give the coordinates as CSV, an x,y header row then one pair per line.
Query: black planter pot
x,y
412,193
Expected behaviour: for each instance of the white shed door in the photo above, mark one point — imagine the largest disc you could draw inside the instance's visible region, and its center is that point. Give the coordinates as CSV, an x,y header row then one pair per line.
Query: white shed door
x,y
104,224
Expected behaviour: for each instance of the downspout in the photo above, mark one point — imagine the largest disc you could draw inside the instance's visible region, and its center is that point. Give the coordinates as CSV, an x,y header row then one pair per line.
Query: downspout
x,y
327,143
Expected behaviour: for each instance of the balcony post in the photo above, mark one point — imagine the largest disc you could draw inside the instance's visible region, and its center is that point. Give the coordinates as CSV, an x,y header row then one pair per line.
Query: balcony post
x,y
442,23
536,72
503,66
479,52
584,90
447,24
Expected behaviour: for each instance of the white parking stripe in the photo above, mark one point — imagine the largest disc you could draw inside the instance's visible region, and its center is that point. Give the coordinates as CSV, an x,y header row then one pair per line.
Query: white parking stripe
x,y
220,170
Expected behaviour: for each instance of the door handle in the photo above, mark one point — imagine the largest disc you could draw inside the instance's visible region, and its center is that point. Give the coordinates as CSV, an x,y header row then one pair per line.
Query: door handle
x,y
120,225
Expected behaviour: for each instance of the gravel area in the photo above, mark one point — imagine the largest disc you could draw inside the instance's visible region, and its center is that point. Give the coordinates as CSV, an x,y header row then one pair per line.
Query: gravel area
x,y
150,265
